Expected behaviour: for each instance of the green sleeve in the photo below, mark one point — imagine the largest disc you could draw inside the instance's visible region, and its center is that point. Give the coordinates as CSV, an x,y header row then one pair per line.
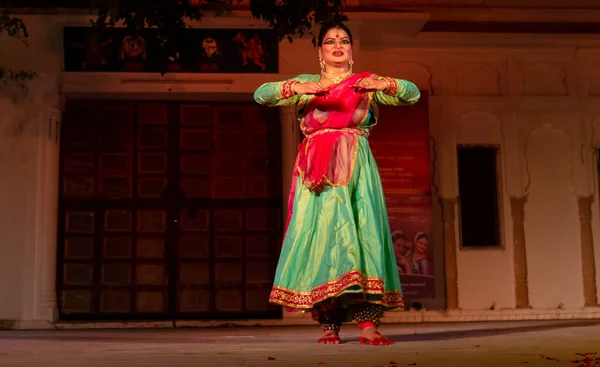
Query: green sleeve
x,y
408,93
270,94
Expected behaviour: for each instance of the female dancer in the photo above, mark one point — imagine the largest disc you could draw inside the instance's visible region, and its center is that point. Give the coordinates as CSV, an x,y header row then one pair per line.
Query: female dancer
x,y
338,258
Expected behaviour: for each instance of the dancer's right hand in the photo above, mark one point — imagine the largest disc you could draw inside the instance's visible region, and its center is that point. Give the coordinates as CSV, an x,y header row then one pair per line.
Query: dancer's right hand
x,y
308,88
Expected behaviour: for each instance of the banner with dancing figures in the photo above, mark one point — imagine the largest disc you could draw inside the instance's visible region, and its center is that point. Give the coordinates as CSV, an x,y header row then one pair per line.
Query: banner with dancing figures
x,y
400,144
198,51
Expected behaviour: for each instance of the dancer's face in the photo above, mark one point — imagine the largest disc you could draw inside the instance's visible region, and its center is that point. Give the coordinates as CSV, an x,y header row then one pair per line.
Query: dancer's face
x,y
336,49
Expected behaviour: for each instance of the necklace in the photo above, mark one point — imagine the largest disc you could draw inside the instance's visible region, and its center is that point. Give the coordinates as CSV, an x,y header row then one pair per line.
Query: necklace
x,y
336,78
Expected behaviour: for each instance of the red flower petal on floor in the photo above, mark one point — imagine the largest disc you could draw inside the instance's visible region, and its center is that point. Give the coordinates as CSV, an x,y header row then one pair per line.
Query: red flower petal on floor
x,y
270,358
412,364
477,345
393,362
321,363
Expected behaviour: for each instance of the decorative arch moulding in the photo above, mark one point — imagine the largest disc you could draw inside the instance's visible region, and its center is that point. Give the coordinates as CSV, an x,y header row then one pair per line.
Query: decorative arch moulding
x,y
544,79
477,79
419,73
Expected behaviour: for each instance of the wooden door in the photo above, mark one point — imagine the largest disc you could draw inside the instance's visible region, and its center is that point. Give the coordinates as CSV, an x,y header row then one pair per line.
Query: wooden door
x,y
168,210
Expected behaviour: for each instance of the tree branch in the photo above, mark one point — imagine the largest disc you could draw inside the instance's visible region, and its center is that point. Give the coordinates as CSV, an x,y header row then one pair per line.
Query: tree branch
x,y
15,28
289,18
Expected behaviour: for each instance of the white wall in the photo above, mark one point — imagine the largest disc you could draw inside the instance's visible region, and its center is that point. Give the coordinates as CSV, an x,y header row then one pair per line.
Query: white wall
x,y
29,175
538,98
538,102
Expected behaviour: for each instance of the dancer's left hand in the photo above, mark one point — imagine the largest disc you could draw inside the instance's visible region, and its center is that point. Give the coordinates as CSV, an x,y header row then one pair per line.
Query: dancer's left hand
x,y
370,85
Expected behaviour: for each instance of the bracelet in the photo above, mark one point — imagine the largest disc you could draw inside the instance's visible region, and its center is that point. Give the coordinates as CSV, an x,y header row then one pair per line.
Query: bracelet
x,y
392,88
287,89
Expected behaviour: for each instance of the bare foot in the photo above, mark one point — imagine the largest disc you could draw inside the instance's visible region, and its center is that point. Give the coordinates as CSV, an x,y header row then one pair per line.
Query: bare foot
x,y
329,337
370,335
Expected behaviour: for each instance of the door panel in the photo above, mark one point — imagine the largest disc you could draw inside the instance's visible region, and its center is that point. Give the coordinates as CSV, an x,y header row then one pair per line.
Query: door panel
x,y
168,210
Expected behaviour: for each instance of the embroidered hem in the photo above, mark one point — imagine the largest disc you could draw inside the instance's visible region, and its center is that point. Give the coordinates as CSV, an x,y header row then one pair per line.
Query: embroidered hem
x,y
306,300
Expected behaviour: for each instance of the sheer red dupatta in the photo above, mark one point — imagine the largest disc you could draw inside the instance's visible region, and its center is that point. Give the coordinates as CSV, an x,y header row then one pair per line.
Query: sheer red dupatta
x,y
331,123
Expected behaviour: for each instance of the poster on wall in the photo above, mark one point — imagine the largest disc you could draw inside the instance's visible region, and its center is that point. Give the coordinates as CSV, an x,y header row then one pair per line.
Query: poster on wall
x,y
400,144
88,49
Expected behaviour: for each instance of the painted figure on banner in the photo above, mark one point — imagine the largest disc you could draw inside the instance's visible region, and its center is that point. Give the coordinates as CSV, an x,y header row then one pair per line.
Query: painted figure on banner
x,y
412,257
338,258
417,257
174,62
133,52
95,49
210,56
112,49
252,50
401,248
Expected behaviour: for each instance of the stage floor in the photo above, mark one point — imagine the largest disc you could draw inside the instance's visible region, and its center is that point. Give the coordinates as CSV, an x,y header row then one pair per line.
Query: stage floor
x,y
474,344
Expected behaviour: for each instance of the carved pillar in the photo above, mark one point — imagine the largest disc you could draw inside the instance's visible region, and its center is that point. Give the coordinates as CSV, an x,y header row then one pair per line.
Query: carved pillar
x,y
588,265
448,209
517,210
45,297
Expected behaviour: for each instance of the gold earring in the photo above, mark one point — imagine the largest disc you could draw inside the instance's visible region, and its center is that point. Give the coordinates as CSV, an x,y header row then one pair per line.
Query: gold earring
x,y
350,63
322,65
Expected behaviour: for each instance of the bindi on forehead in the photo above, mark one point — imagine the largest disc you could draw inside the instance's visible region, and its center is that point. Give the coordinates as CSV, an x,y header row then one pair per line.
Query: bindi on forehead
x,y
337,33
339,36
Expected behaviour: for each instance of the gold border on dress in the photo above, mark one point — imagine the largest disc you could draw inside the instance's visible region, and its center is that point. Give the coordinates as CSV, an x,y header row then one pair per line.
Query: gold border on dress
x,y
306,300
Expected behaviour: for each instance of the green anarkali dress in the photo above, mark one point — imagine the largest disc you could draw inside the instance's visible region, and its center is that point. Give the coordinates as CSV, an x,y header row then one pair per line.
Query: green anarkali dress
x,y
337,239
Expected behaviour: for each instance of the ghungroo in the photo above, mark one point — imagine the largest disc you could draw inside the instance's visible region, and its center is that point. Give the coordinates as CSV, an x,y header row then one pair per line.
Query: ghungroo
x,y
368,312
330,319
329,327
